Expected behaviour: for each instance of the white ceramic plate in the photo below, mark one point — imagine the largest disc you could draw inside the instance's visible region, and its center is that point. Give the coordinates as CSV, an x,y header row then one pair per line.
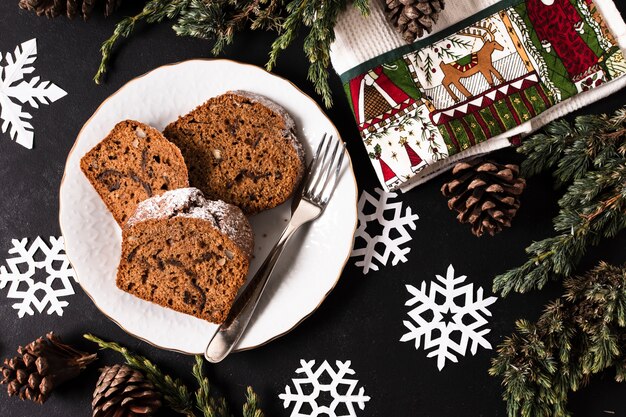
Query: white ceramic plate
x,y
309,267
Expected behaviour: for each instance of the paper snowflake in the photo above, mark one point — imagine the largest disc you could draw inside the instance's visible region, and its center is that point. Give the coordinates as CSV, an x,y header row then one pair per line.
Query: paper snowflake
x,y
22,276
445,325
391,234
15,92
328,382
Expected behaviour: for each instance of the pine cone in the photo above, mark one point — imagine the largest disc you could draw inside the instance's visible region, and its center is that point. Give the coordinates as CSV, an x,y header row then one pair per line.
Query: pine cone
x,y
412,17
71,8
485,194
42,366
124,392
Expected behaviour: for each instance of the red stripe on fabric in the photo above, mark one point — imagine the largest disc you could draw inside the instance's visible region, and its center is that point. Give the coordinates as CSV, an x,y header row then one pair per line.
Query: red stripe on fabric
x,y
527,103
355,87
470,134
395,92
496,116
482,124
545,98
453,137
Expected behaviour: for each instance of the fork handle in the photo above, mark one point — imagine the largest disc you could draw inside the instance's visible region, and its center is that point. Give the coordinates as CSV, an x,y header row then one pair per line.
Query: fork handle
x,y
229,332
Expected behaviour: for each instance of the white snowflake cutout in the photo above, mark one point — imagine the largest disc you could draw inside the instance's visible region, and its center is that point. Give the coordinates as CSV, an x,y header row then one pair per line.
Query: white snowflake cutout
x,y
445,325
16,91
309,388
36,293
393,245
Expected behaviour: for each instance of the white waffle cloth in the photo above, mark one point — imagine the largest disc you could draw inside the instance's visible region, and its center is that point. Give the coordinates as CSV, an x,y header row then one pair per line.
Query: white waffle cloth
x,y
360,38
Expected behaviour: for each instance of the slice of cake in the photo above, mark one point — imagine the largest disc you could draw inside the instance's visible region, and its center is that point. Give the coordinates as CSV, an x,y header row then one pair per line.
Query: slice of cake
x,y
241,148
132,163
186,253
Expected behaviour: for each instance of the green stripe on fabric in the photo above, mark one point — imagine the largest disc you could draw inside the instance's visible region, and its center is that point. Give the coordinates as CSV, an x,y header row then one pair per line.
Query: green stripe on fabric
x,y
475,128
460,134
505,115
557,73
397,53
535,100
346,89
519,107
494,127
452,149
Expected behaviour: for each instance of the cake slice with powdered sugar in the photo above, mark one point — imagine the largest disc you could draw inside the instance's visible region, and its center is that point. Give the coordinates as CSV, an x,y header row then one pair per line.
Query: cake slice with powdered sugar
x,y
185,252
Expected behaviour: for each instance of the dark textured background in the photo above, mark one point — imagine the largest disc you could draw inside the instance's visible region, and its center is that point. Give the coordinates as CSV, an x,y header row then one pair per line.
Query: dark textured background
x,y
360,321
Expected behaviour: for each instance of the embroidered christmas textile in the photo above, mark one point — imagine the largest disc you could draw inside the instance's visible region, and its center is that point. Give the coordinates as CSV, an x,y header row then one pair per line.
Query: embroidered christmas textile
x,y
480,81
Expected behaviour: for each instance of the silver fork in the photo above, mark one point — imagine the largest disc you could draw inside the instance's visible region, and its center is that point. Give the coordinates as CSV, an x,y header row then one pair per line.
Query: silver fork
x,y
319,184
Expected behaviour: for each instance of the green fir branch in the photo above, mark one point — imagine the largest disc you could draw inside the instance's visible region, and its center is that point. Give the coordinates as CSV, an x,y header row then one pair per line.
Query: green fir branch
x,y
174,391
251,406
209,406
154,11
590,156
176,394
320,18
220,20
579,335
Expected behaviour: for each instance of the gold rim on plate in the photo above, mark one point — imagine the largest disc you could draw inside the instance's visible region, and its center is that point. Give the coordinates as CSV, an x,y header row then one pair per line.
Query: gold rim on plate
x,y
273,75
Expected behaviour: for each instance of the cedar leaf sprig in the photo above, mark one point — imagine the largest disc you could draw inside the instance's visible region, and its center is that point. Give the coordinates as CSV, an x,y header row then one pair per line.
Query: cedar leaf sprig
x,y
175,393
590,156
208,405
220,20
581,334
153,12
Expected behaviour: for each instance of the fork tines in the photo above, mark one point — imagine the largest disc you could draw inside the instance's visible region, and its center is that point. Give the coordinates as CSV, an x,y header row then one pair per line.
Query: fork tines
x,y
324,170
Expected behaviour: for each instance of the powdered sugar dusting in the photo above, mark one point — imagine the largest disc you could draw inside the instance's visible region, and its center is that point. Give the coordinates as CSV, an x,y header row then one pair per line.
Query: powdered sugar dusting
x,y
232,222
191,203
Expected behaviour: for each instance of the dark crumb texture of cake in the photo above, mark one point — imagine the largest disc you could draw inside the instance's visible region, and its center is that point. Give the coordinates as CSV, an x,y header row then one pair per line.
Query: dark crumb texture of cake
x,y
186,253
240,148
134,162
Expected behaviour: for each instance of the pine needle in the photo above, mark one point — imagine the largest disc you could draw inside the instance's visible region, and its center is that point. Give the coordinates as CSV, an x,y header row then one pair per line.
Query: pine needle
x,y
220,20
589,157
154,11
579,335
175,393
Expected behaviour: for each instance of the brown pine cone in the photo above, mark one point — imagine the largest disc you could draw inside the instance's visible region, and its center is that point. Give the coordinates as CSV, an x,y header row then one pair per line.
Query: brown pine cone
x,y
412,18
485,194
71,8
124,392
41,366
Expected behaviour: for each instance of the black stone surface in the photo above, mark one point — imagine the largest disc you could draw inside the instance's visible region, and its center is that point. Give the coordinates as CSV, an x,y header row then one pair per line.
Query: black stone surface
x,y
360,321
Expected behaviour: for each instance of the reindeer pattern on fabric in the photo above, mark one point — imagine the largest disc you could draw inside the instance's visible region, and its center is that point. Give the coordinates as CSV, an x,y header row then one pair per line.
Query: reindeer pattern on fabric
x,y
455,91
480,62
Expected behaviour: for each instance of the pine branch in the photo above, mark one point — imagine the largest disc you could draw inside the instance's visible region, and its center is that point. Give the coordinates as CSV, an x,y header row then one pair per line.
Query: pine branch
x,y
154,11
320,17
577,336
251,407
174,391
208,405
220,20
590,156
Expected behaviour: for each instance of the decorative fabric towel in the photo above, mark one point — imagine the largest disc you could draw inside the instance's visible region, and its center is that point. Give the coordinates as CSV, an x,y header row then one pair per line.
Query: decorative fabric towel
x,y
476,83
